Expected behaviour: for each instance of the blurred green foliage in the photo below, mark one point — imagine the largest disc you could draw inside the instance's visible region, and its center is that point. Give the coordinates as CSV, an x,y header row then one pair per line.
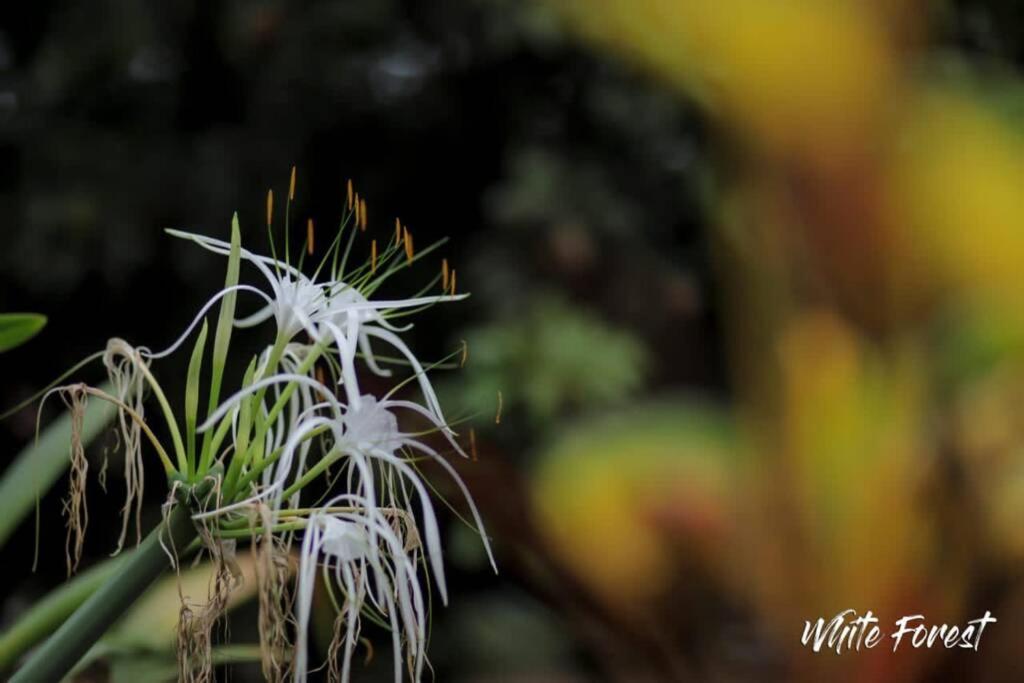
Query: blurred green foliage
x,y
551,360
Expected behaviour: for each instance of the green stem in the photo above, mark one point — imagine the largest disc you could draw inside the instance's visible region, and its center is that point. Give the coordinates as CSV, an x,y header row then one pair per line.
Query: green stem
x,y
256,470
231,481
241,458
172,424
312,473
56,657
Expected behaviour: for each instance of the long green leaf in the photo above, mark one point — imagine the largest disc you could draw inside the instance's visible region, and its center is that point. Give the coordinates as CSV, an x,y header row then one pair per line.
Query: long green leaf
x,y
52,660
222,339
195,368
18,328
47,614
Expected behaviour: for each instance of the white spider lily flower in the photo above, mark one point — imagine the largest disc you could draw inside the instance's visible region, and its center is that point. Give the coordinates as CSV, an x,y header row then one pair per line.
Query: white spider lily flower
x,y
372,432
350,319
363,434
295,300
363,551
374,545
334,311
362,437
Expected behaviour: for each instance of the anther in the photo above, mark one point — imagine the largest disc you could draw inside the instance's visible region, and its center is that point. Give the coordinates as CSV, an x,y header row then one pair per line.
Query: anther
x,y
407,237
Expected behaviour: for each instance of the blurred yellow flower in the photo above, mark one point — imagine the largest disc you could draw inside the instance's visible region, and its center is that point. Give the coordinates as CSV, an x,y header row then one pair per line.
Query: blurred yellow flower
x,y
955,182
617,498
789,73
854,452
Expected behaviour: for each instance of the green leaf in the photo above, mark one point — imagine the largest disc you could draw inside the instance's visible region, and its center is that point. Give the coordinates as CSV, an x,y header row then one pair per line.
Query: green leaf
x,y
47,613
18,328
195,367
244,427
222,338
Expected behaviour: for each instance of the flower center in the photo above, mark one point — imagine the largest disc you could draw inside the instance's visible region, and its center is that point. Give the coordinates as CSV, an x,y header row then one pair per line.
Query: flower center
x,y
298,302
370,425
344,540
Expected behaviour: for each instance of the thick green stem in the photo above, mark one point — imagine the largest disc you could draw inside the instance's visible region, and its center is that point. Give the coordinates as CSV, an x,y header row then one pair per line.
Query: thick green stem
x,y
56,657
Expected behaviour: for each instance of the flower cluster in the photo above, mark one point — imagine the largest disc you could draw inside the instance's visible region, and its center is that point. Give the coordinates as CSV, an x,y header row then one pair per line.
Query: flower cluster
x,y
302,420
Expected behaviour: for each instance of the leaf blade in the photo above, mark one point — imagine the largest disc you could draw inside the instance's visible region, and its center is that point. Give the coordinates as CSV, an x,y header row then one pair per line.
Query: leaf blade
x,y
195,367
18,328
222,337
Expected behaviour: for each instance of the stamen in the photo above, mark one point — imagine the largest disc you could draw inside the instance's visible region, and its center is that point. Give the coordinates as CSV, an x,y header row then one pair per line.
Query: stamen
x,y
407,238
354,206
291,187
453,282
373,257
398,231
472,444
444,275
309,236
362,215
349,192
270,205
497,416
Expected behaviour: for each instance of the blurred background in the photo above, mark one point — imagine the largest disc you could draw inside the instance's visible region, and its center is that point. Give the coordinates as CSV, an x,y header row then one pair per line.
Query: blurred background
x,y
747,275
